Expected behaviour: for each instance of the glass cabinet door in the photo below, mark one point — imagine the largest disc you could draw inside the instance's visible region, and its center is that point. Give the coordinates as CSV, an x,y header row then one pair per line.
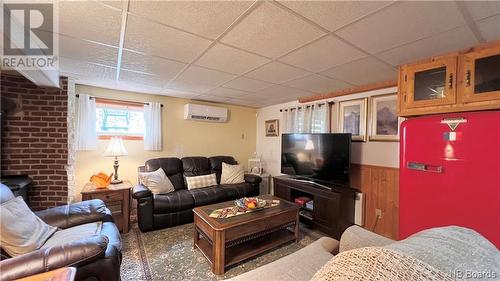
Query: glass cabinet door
x,y
431,84
481,75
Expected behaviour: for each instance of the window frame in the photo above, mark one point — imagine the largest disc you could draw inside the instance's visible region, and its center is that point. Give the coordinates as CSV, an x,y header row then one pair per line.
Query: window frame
x,y
124,105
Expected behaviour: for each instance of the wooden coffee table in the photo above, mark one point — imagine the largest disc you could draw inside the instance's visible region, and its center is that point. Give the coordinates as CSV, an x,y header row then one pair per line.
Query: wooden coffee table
x,y
227,241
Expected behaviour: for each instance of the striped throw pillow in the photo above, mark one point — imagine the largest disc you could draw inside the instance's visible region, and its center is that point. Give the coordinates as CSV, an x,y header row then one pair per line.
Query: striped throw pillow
x,y
201,181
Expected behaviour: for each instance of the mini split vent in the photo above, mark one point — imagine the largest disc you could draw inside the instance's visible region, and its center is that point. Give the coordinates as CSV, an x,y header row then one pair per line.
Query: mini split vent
x,y
205,113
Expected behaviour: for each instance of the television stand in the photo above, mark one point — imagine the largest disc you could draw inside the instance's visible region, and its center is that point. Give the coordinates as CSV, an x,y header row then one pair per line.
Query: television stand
x,y
333,207
311,181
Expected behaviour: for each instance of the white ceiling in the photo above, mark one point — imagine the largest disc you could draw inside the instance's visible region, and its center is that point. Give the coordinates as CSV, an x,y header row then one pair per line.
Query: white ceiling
x,y
259,53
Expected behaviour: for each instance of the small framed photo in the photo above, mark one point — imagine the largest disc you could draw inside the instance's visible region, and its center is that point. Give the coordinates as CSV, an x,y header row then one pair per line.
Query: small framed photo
x,y
272,128
352,118
384,119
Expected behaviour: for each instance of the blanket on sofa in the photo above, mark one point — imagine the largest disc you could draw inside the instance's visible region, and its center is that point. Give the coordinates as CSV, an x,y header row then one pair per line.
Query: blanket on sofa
x,y
375,263
444,253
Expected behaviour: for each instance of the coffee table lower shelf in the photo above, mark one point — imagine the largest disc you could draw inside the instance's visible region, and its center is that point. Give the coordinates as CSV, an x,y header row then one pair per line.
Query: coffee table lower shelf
x,y
249,248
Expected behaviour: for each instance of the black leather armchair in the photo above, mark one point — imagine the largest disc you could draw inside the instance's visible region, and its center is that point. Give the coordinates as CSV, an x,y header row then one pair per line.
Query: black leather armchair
x,y
96,257
155,211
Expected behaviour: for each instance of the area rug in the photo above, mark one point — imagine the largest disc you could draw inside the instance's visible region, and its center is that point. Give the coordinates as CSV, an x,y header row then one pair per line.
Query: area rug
x,y
168,254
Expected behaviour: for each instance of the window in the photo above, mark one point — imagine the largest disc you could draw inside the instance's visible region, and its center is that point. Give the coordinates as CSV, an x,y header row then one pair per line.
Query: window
x,y
119,119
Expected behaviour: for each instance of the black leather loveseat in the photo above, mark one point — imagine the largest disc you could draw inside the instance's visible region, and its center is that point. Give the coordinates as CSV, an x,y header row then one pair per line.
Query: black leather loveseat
x,y
155,211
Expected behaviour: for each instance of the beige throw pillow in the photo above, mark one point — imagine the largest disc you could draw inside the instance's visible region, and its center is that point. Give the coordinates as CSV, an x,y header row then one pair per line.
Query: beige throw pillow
x,y
21,231
232,174
201,181
157,181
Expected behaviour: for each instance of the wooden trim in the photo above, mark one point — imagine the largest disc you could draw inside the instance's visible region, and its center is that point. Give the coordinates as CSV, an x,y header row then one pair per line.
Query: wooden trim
x,y
125,137
352,90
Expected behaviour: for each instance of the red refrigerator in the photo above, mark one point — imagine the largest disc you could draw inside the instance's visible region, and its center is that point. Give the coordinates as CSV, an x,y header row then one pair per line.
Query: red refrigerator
x,y
450,173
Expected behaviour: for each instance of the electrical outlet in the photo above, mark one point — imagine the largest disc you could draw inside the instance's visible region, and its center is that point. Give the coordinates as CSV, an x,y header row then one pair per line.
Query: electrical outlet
x,y
378,213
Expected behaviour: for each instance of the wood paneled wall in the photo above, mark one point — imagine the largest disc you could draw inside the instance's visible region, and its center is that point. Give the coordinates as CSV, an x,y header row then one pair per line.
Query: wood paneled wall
x,y
380,186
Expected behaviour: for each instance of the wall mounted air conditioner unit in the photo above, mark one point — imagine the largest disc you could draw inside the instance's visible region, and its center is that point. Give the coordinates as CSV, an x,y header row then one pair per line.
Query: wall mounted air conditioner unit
x,y
205,113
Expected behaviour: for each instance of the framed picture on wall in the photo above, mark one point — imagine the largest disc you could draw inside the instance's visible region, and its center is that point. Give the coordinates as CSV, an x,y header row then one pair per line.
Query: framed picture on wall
x,y
384,119
352,118
272,128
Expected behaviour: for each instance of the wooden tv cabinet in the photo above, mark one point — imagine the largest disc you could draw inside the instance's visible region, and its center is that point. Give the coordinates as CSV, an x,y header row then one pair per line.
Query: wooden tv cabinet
x,y
333,209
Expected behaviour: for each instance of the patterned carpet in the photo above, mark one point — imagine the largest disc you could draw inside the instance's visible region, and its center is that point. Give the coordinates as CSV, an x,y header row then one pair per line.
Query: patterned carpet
x,y
168,254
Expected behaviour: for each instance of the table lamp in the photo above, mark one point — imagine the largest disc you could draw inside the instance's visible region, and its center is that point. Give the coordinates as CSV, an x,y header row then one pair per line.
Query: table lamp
x,y
115,149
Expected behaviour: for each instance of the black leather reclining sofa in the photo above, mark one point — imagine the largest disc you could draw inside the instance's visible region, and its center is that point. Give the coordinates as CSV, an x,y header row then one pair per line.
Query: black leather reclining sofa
x,y
155,211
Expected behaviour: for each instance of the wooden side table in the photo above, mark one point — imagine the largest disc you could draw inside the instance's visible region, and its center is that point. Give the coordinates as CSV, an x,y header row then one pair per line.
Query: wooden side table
x,y
117,199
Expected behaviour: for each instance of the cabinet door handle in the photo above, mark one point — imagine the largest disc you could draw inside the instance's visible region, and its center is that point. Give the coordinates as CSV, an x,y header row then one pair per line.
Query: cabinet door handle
x,y
450,81
424,167
467,78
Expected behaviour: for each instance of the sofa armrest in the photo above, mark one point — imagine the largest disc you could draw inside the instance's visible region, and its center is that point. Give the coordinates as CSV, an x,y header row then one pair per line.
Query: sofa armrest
x,y
75,214
75,253
253,179
357,237
145,206
141,191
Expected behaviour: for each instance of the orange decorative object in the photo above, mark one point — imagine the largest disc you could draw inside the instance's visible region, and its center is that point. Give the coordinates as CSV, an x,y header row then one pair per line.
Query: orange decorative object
x,y
101,180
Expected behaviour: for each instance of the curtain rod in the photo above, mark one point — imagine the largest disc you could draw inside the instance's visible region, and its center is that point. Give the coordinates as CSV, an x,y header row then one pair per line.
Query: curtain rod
x,y
137,102
307,106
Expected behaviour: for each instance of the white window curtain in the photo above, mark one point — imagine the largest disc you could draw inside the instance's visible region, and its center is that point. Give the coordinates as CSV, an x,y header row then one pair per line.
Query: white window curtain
x,y
312,118
152,122
85,133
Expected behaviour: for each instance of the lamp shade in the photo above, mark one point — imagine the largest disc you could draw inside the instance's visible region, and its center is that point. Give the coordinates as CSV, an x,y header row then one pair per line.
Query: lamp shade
x,y
115,148
309,145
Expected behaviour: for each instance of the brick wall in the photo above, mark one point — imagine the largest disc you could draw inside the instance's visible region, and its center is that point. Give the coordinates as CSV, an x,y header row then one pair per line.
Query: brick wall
x,y
34,138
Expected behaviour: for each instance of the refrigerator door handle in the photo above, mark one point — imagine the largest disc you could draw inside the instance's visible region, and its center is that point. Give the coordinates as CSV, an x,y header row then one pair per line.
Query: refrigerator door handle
x,y
424,167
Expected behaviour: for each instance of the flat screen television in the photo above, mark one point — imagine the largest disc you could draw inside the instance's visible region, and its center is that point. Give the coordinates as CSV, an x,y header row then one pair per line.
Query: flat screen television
x,y
317,157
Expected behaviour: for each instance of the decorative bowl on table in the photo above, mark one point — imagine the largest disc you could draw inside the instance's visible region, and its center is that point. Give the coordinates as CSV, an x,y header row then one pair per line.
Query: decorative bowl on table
x,y
251,203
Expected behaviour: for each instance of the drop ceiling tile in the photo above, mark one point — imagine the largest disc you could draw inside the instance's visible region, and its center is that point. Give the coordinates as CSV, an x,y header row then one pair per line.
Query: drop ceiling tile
x,y
178,94
87,51
226,92
159,40
211,98
252,97
198,79
97,23
117,4
334,14
281,92
82,69
323,54
164,68
276,72
453,40
402,22
490,28
135,87
242,102
247,84
482,9
317,84
230,60
206,18
142,78
362,72
271,31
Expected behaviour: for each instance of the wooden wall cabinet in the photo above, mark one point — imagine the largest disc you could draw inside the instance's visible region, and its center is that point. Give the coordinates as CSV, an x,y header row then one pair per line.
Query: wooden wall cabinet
x,y
460,81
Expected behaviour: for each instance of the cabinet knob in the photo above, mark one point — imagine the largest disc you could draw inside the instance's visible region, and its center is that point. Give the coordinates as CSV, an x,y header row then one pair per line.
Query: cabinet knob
x,y
450,81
